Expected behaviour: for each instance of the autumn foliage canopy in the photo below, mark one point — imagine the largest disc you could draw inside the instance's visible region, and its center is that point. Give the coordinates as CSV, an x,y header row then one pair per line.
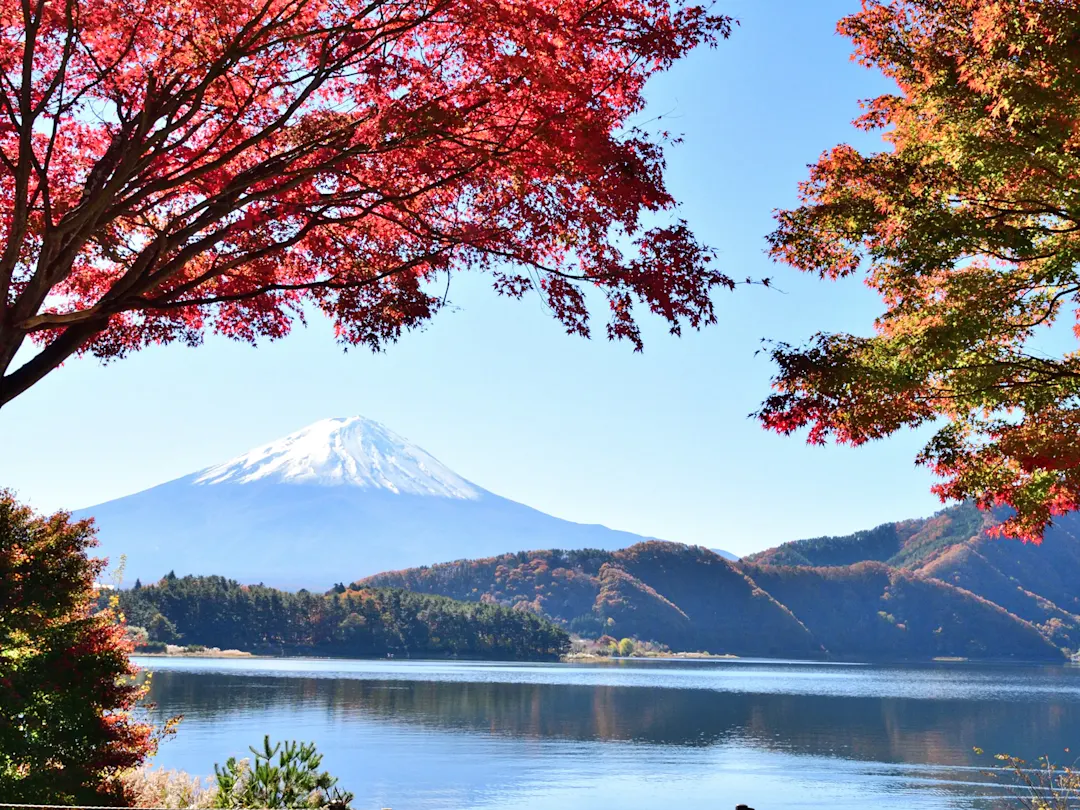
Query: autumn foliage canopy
x,y
172,167
969,228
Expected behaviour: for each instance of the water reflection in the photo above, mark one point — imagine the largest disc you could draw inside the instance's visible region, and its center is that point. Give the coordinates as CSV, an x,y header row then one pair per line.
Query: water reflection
x,y
538,736
879,729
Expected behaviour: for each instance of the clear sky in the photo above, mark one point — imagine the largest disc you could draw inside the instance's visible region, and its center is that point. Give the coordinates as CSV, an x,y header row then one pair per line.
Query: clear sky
x,y
657,443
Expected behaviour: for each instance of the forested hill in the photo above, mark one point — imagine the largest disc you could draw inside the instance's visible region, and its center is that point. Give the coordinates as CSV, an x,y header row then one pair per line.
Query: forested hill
x,y
687,598
217,612
1036,583
905,544
692,599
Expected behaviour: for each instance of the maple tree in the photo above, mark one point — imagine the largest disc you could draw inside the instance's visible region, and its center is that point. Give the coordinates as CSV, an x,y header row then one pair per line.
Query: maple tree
x,y
172,167
66,684
969,227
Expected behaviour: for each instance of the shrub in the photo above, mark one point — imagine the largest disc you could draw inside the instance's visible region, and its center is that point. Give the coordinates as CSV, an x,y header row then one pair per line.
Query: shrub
x,y
136,635
283,776
1042,786
173,790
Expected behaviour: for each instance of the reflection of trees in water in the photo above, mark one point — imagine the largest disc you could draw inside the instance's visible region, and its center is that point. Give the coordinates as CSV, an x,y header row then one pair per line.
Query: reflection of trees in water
x,y
862,728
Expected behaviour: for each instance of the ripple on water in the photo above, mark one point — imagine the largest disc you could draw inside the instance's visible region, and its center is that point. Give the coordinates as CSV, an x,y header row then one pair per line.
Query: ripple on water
x,y
431,735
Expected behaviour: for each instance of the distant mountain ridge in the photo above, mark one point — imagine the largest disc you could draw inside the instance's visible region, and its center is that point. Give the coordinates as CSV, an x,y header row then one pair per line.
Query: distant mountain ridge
x,y
347,498
692,599
904,544
340,498
1038,584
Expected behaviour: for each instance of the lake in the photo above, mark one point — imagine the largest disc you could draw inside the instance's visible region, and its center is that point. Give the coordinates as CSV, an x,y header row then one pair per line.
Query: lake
x,y
684,735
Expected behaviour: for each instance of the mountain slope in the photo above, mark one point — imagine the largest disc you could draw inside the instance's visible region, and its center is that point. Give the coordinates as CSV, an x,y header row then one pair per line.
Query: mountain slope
x,y
902,544
692,599
338,499
876,611
1037,584
966,567
686,597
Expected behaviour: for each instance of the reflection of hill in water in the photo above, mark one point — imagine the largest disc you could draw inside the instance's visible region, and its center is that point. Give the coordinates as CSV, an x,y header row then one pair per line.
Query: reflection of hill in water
x,y
900,730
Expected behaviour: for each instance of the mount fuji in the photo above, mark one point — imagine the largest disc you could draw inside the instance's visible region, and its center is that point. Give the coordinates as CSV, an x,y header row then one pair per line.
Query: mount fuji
x,y
337,501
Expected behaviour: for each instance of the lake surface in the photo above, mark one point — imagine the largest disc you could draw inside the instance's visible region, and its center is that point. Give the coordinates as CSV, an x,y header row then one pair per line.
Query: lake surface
x,y
663,735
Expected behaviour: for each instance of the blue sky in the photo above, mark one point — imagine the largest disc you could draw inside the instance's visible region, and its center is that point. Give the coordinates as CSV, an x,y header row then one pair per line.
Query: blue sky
x,y
657,443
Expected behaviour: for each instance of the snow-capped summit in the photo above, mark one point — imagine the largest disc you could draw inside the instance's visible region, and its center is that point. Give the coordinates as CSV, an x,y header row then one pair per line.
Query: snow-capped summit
x,y
334,502
350,451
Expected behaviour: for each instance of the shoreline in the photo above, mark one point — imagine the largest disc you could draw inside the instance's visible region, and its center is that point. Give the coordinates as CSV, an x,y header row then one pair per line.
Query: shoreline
x,y
209,652
587,656
592,658
570,658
